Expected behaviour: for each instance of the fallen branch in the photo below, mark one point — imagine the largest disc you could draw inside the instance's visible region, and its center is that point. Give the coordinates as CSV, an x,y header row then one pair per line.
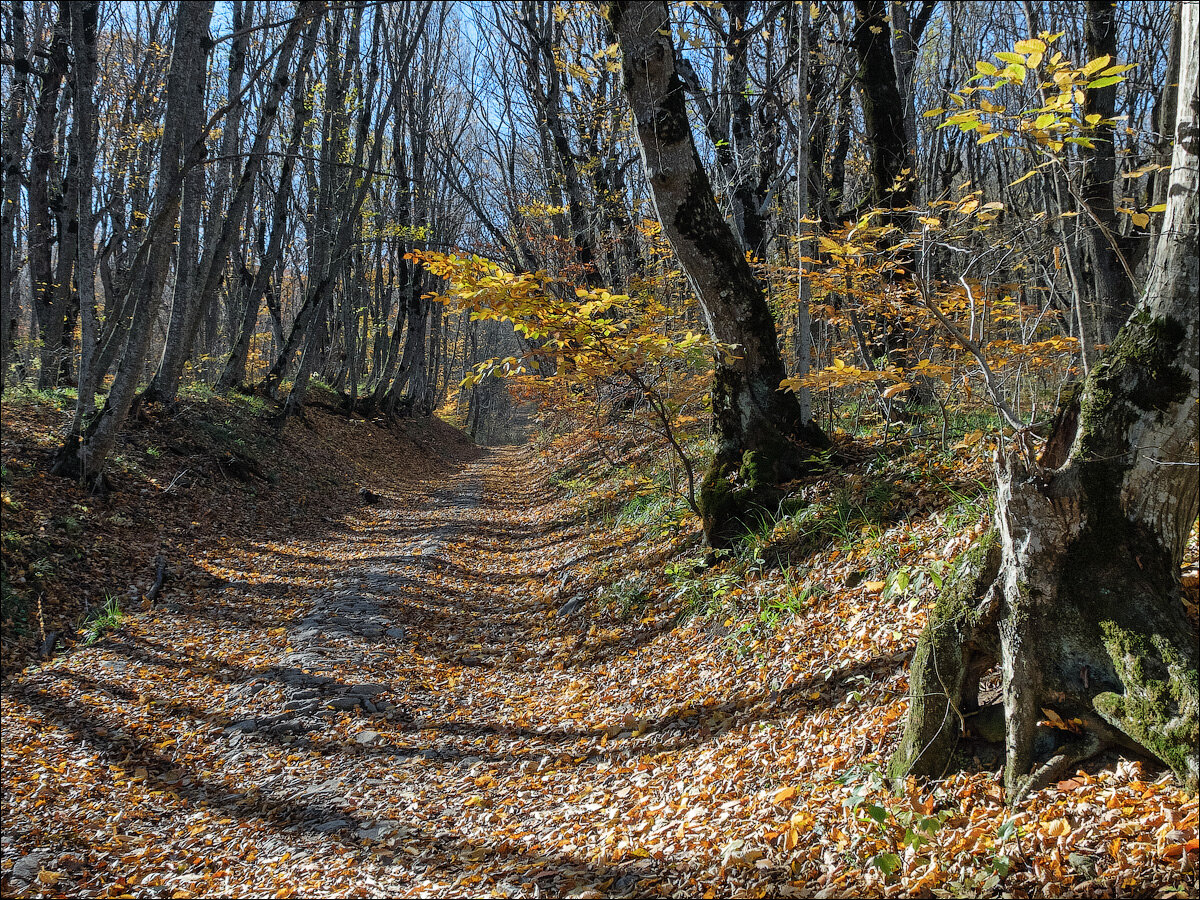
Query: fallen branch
x,y
160,575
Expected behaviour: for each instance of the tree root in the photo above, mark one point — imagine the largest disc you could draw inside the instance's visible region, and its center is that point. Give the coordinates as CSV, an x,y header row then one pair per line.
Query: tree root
x,y
1069,755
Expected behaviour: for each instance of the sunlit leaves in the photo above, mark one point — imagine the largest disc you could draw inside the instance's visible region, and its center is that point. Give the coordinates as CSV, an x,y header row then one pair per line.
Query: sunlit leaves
x,y
1059,120
591,335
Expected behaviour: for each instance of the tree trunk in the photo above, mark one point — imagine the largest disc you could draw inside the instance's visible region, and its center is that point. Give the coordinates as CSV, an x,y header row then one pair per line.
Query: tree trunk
x,y
47,312
1078,597
16,109
883,111
84,456
762,439
85,133
1113,291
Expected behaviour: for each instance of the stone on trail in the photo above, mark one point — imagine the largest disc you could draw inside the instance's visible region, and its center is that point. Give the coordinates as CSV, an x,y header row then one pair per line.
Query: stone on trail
x,y
572,606
366,690
331,826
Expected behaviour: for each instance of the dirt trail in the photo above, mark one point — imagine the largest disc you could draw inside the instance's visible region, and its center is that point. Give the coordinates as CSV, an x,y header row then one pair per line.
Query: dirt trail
x,y
395,705
374,712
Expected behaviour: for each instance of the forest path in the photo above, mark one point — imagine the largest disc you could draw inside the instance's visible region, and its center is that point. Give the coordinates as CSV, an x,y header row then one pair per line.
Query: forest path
x,y
394,701
390,708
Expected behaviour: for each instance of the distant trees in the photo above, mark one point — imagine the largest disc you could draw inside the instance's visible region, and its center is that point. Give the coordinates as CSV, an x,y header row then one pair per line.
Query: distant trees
x,y
245,219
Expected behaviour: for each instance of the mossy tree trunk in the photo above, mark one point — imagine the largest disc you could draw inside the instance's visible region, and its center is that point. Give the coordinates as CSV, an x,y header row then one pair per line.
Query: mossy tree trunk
x,y
1080,604
762,438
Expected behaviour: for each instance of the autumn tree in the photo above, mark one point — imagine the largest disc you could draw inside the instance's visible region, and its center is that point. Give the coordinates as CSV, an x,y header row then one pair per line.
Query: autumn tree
x,y
1075,593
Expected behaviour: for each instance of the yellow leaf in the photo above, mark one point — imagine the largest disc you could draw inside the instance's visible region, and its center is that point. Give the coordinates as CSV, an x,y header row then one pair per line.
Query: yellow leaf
x,y
1053,718
784,794
896,389
1140,219
1058,828
875,586
46,877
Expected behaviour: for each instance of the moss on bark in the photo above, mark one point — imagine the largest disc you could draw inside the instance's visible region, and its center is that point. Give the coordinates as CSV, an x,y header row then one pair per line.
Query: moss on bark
x,y
737,493
943,666
1158,708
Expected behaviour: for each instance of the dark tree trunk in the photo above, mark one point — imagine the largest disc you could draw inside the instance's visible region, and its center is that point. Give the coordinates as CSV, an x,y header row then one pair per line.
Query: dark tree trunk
x,y
883,112
205,278
762,439
47,303
1076,594
234,372
1113,290
84,137
16,110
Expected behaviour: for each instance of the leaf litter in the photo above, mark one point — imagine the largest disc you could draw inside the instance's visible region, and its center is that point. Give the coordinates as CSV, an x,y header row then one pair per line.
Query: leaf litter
x,y
439,696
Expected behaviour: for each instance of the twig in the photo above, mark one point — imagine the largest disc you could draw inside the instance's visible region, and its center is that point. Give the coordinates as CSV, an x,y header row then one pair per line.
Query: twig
x,y
175,481
989,378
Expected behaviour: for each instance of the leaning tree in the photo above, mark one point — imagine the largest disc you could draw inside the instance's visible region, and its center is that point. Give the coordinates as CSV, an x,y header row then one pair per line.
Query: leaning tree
x,y
1075,593
762,436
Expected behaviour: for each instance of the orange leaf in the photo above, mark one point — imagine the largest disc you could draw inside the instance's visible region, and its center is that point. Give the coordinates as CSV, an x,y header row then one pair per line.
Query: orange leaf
x,y
785,794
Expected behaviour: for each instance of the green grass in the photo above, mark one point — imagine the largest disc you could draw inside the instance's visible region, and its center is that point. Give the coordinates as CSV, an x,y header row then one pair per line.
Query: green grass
x,y
627,597
106,619
62,398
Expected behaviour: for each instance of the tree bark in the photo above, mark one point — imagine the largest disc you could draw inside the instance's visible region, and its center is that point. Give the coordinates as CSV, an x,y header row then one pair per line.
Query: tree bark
x,y
84,456
762,439
1083,614
883,113
48,311
1113,291
85,133
16,109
